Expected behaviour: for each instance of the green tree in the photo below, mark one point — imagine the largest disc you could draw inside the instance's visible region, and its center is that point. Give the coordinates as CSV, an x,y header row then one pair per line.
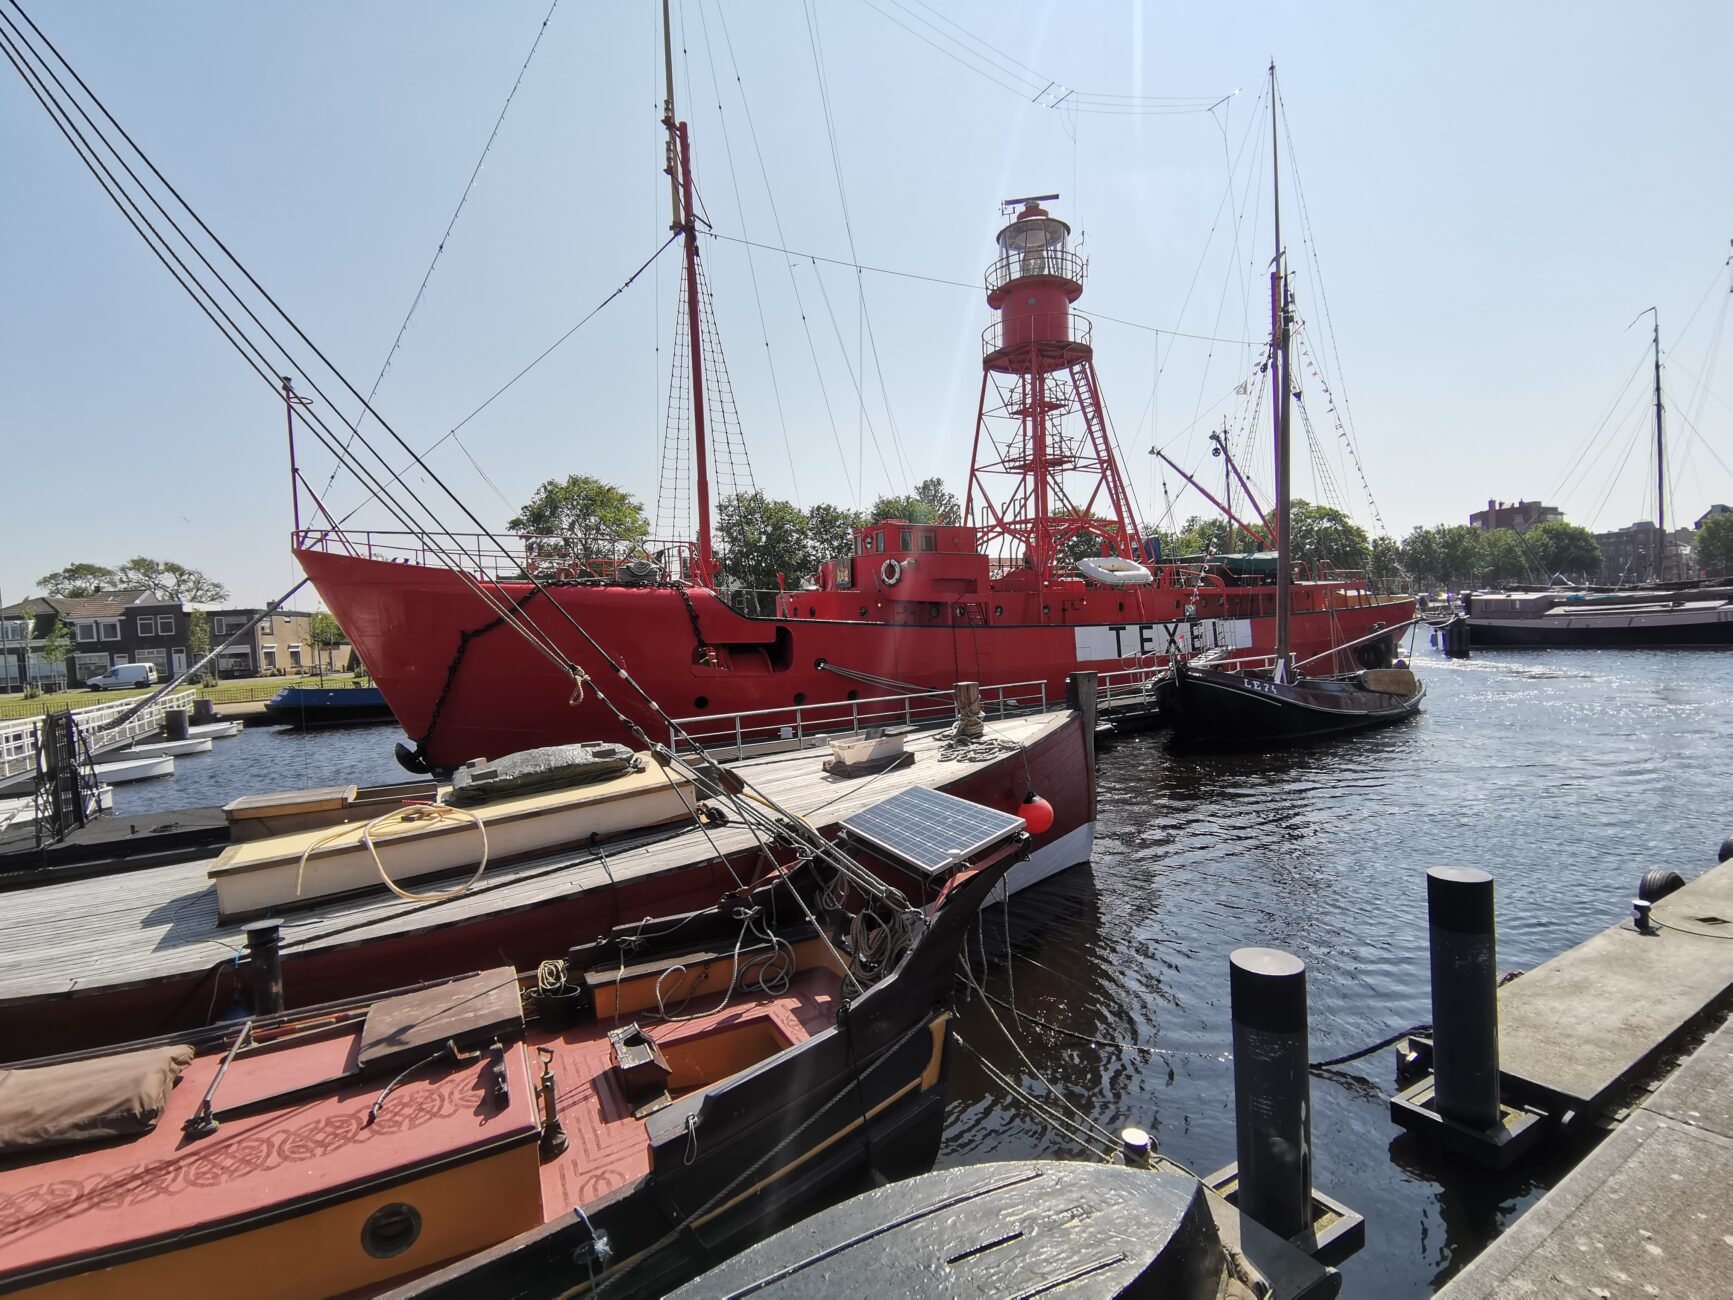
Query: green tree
x,y
199,640
830,533
1323,534
1444,555
762,540
1715,545
77,580
57,645
176,581
1200,536
327,630
911,509
581,519
947,510
1384,563
1503,558
1568,549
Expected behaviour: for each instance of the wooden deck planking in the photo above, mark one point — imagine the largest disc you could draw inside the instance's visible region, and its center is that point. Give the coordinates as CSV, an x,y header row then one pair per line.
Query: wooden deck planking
x,y
162,921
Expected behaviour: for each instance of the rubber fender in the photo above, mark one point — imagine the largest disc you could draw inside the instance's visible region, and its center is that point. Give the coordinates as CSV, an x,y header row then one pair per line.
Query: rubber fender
x,y
1658,882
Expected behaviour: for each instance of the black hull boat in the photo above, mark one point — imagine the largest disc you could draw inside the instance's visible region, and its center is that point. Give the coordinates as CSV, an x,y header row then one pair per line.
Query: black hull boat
x,y
1234,708
1660,618
859,1100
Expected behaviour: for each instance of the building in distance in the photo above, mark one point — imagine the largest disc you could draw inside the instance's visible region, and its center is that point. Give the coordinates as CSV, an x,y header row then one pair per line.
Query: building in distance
x,y
1517,515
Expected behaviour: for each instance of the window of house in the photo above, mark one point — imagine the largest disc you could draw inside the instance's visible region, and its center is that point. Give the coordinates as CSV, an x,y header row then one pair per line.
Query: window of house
x,y
110,629
13,629
85,630
265,625
219,627
122,659
165,625
157,657
147,627
268,656
87,666
295,656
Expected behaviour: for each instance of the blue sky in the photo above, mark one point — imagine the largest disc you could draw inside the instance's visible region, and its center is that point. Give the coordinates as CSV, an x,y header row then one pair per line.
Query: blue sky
x,y
1493,193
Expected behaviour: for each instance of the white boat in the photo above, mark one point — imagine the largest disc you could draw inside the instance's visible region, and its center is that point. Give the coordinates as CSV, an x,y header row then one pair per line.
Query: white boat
x,y
135,769
215,730
193,745
15,811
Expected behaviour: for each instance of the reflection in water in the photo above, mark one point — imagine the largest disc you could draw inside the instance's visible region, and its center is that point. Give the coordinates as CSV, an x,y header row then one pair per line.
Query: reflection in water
x,y
1566,774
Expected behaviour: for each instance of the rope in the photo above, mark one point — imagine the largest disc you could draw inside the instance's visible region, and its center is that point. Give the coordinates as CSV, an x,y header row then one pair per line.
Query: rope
x,y
416,817
1378,1046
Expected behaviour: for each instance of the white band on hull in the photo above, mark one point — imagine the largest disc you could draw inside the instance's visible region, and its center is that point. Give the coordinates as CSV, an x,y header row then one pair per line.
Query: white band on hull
x,y
1068,850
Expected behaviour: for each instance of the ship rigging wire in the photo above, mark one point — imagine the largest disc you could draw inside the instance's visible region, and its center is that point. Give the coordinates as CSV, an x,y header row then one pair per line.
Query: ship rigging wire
x,y
25,57
439,250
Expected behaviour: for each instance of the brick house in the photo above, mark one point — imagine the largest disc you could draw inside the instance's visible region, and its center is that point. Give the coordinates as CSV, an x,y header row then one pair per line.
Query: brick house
x,y
282,643
109,628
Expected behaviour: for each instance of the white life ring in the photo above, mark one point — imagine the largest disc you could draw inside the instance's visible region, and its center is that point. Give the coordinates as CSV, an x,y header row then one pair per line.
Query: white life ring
x,y
891,573
1114,571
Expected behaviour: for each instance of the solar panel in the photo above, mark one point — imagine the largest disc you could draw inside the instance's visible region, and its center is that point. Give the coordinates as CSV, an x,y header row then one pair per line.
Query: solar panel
x,y
930,830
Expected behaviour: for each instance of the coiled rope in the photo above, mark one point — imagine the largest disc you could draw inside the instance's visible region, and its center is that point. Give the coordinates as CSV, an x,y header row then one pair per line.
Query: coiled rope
x,y
400,822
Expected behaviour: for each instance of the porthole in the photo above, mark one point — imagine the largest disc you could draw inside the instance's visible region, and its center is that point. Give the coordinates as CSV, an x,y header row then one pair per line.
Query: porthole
x,y
390,1230
998,611
854,695
800,697
702,702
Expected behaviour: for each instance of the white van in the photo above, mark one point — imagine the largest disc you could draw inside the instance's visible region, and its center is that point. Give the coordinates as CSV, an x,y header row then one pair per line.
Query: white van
x,y
124,677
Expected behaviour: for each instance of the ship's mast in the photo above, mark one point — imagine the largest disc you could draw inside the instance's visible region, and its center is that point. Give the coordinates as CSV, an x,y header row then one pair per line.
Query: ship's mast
x,y
1660,465
1279,380
680,184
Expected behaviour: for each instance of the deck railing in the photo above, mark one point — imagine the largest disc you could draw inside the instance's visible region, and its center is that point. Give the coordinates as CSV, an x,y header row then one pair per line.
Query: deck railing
x,y
735,735
552,559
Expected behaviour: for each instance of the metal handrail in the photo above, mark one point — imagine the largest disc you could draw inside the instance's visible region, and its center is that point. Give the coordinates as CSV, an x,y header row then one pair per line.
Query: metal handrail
x,y
1061,263
798,722
1069,328
549,556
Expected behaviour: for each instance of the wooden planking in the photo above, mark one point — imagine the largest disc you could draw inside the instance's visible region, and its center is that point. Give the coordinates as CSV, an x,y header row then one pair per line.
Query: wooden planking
x,y
162,921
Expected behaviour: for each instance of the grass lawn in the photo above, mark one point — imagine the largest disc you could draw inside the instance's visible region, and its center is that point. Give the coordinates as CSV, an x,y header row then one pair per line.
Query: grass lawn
x,y
232,690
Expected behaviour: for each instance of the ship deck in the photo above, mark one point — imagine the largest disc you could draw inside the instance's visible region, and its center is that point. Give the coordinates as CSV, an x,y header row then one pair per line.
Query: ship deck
x,y
81,936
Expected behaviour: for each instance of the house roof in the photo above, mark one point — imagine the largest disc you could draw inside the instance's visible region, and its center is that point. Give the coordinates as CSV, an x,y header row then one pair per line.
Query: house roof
x,y
104,604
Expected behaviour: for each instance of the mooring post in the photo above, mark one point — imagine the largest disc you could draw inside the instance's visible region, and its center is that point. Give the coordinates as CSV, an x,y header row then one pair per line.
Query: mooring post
x,y
1459,905
1272,1089
175,723
265,956
970,725
1082,694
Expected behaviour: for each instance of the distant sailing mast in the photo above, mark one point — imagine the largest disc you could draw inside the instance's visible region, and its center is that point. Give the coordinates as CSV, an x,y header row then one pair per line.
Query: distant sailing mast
x,y
1279,321
679,171
1660,463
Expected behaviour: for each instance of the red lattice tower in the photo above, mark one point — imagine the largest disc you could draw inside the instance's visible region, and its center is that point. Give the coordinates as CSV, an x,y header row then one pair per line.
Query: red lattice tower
x,y
1055,488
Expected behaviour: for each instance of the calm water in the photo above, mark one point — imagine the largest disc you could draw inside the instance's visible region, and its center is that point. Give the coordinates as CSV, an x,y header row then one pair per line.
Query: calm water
x,y
1564,774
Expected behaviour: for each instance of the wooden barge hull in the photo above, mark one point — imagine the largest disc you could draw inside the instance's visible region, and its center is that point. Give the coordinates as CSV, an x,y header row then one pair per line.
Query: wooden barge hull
x,y
90,962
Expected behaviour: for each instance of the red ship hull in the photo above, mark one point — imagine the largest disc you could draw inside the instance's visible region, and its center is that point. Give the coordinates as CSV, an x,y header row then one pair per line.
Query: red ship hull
x,y
465,685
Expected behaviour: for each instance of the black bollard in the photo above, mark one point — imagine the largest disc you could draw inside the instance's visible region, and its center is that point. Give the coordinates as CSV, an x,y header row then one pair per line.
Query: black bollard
x,y
1459,904
265,956
1272,1089
1726,850
175,723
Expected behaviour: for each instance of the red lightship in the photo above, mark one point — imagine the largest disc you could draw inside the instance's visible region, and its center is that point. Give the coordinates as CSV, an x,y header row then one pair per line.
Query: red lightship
x,y
1046,575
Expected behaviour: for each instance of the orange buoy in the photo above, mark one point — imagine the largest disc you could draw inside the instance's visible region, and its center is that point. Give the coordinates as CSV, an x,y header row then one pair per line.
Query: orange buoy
x,y
1037,813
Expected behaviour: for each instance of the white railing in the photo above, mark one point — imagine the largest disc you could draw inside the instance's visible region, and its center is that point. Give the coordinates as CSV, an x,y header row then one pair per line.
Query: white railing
x,y
97,723
796,726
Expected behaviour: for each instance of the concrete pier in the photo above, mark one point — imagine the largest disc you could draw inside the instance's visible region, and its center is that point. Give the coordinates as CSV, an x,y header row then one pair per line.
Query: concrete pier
x,y
1646,1214
1578,1029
